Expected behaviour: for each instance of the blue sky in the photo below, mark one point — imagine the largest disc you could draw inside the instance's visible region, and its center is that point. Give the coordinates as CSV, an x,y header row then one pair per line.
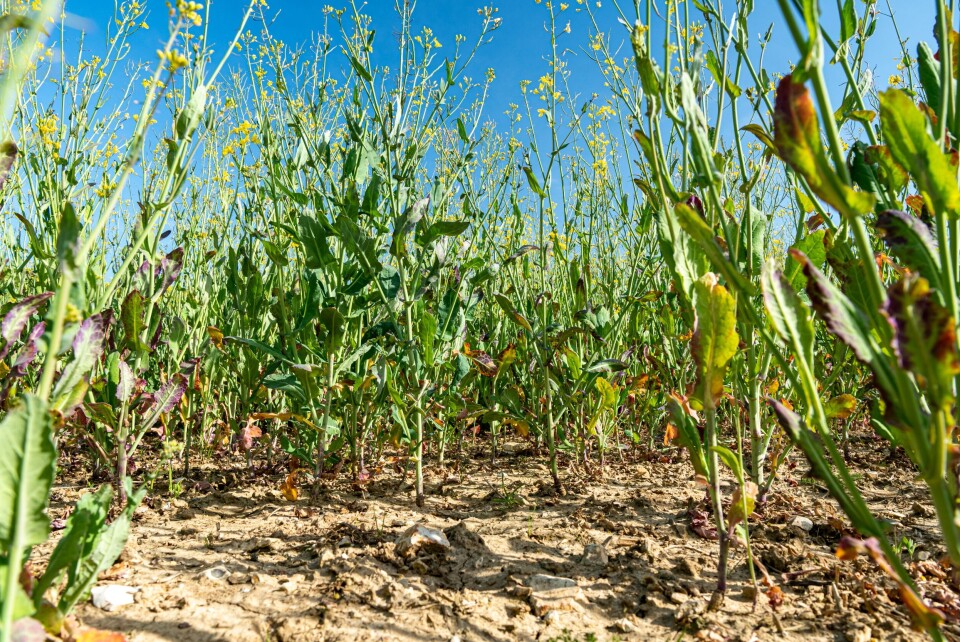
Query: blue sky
x,y
518,48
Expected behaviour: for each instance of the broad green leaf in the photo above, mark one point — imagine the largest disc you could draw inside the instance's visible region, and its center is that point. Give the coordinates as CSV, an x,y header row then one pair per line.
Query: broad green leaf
x,y
428,336
83,527
694,225
812,246
334,328
27,465
102,553
131,320
389,281
928,68
789,315
905,132
715,340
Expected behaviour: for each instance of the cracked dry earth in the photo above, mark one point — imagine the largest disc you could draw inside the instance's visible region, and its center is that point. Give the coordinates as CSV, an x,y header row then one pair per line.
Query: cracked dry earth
x,y
237,562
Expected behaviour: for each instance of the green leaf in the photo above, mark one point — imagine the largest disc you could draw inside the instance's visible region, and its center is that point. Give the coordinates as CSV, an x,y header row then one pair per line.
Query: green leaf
x,y
428,336
715,340
904,129
730,458
103,552
713,65
83,527
929,71
445,228
27,465
334,327
508,307
131,320
389,279
848,21
812,246
789,315
694,225
533,182
360,69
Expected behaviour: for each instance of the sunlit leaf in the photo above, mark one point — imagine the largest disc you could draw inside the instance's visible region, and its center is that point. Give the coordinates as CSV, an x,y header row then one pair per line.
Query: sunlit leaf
x,y
715,340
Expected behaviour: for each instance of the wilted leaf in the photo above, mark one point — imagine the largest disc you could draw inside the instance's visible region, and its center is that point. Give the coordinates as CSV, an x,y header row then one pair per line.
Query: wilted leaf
x,y
290,487
797,136
250,433
216,336
924,336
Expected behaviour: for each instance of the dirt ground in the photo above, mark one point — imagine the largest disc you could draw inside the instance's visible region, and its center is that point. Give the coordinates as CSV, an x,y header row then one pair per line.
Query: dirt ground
x,y
231,559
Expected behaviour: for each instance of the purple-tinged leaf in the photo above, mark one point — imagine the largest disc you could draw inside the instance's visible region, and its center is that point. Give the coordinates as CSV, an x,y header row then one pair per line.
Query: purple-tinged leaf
x,y
158,329
87,348
29,351
26,356
910,241
27,629
166,399
924,335
789,420
843,319
170,266
127,383
16,319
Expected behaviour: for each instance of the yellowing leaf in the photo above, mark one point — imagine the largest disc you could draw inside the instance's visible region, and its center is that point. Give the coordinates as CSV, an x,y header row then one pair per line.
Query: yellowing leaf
x,y
290,488
216,336
745,496
840,407
715,340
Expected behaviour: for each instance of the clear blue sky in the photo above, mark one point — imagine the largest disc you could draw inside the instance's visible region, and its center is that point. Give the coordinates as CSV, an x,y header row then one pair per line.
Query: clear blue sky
x,y
518,47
